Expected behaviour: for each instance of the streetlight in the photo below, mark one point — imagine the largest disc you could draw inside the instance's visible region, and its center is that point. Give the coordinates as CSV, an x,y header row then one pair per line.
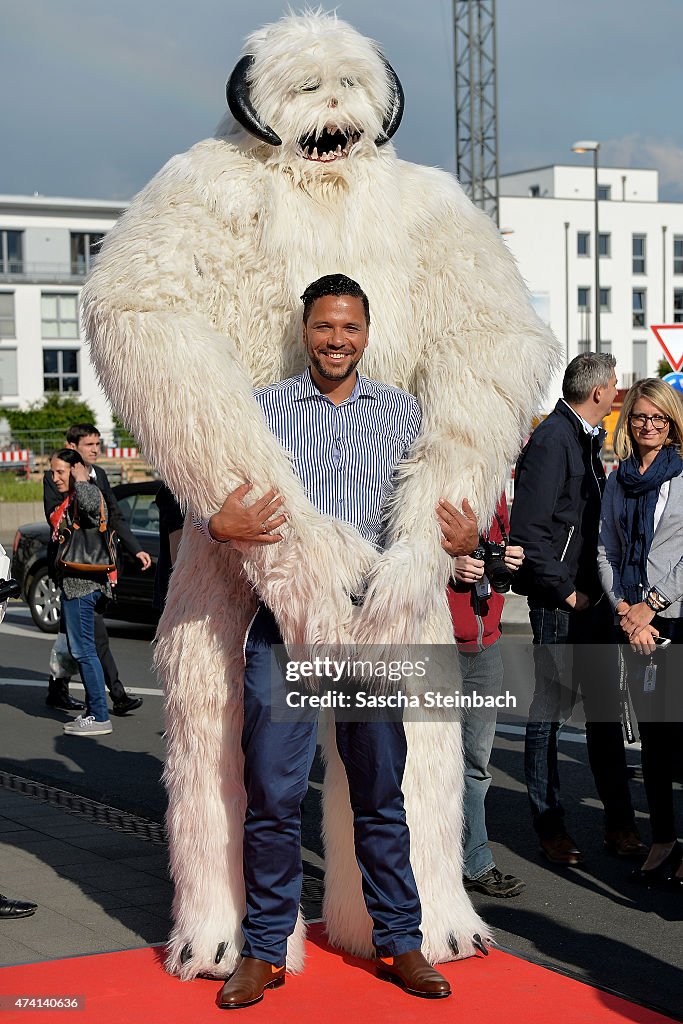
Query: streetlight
x,y
590,146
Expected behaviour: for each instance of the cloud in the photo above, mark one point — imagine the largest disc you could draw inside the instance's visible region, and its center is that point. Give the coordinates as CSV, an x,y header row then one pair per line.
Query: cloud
x,y
641,151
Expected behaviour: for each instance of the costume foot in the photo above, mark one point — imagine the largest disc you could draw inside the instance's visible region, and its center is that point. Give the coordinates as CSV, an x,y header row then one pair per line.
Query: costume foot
x,y
494,883
249,982
186,953
220,950
412,972
561,850
480,944
10,909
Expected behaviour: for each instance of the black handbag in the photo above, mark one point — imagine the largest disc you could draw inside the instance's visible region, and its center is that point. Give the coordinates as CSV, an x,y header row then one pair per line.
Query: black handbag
x,y
86,550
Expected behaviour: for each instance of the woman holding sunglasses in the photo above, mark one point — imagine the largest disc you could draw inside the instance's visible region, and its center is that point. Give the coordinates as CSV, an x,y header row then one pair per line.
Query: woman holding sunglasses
x,y
640,556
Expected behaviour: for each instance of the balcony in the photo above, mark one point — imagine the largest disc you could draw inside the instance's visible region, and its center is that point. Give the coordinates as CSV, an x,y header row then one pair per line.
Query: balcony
x,y
21,272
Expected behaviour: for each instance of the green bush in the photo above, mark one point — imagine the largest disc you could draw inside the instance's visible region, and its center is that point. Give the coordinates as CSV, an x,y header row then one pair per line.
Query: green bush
x,y
54,412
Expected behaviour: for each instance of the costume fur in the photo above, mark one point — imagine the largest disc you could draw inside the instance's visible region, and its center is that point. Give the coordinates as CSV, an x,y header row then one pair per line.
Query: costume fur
x,y
193,302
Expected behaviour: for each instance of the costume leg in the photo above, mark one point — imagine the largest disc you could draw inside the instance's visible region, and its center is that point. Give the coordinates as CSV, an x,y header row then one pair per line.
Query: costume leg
x,y
277,762
374,755
482,673
199,658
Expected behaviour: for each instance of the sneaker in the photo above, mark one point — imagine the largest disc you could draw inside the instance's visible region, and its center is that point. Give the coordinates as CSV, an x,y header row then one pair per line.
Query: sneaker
x,y
85,725
126,704
494,883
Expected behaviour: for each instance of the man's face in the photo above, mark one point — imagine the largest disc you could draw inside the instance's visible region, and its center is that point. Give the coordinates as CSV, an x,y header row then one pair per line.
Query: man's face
x,y
88,448
335,336
607,396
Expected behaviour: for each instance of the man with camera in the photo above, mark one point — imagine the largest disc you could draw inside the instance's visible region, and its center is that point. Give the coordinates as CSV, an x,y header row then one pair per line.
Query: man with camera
x,y
475,597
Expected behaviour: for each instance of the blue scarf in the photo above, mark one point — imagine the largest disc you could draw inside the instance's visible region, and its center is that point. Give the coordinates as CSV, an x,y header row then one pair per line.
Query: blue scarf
x,y
637,518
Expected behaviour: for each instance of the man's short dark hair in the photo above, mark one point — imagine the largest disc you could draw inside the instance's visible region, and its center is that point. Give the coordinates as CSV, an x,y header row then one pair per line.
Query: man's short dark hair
x,y
69,455
334,284
585,372
77,431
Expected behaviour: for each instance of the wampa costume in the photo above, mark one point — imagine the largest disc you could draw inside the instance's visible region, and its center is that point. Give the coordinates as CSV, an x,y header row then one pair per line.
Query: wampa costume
x,y
195,301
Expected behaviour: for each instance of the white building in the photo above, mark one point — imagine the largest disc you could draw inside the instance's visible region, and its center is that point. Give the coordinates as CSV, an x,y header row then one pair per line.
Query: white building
x,y
46,245
547,218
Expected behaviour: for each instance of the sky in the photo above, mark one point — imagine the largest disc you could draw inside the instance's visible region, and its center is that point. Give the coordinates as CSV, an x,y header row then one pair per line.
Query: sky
x,y
98,94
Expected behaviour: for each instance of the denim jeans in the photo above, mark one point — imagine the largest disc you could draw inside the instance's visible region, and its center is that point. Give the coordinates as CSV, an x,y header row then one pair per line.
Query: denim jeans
x,y
79,619
572,655
481,672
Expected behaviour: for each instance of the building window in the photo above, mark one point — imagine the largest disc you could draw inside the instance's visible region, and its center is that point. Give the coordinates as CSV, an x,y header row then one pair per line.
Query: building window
x,y
678,305
11,252
584,346
638,251
584,297
7,325
8,372
605,244
60,369
639,358
605,345
604,191
85,245
59,315
639,307
534,191
605,300
678,254
583,243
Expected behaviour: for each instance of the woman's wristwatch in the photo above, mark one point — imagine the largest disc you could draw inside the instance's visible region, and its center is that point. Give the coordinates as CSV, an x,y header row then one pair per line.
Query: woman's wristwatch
x,y
655,601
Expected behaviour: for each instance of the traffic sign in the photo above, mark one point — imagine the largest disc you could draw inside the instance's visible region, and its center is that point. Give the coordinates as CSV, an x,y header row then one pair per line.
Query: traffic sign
x,y
670,337
675,380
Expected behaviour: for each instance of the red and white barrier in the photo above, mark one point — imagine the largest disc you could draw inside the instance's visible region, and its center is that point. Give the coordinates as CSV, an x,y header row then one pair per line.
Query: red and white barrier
x,y
23,455
122,453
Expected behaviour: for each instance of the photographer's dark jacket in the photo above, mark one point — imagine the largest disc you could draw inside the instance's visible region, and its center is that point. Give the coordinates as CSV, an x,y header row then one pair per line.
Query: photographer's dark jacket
x,y
559,482
476,620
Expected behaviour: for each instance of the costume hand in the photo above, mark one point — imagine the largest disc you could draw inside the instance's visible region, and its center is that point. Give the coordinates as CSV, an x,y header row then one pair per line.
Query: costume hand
x,y
467,569
80,474
578,601
144,559
642,641
251,524
637,616
513,557
460,533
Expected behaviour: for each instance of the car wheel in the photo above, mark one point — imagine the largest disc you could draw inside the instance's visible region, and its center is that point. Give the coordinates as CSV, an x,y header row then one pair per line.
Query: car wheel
x,y
44,602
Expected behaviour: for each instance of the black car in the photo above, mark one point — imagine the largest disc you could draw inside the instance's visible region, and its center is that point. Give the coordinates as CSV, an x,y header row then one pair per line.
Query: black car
x,y
135,588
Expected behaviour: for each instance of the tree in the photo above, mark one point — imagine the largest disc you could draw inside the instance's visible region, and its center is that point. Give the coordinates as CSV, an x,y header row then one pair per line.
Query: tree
x,y
45,422
663,368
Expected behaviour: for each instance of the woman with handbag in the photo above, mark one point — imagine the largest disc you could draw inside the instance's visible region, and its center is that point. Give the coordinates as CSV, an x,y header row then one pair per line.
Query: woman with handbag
x,y
640,557
85,568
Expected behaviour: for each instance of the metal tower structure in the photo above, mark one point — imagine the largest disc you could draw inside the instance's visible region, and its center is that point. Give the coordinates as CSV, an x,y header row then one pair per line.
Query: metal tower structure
x,y
476,101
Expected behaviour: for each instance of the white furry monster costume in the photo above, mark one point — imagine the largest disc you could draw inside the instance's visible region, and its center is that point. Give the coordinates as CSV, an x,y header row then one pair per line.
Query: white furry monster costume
x,y
194,300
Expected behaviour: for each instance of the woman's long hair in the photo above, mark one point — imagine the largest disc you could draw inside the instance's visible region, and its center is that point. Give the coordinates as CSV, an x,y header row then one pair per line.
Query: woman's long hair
x,y
665,398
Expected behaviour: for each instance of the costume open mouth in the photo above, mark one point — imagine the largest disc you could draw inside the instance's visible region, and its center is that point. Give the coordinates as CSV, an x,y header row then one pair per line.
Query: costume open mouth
x,y
332,144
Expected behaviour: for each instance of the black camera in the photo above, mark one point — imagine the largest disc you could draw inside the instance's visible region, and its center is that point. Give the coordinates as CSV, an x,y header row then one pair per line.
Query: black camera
x,y
9,588
495,569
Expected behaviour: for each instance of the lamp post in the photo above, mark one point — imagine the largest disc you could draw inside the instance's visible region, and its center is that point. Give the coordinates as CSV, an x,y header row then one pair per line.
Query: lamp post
x,y
590,146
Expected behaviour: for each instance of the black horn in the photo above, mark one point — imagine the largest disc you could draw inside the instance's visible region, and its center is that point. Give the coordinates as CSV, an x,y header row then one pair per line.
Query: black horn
x,y
395,113
241,107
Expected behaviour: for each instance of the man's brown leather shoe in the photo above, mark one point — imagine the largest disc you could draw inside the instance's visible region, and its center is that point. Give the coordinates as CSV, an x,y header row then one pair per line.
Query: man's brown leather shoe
x,y
625,842
561,850
249,982
413,973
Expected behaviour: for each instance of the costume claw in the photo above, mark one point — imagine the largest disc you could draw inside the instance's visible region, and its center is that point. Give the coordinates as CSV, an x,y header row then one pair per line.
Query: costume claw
x,y
453,944
220,950
186,953
477,940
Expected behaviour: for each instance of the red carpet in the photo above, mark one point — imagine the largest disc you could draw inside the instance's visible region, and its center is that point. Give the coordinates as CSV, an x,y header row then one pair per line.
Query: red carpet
x,y
132,988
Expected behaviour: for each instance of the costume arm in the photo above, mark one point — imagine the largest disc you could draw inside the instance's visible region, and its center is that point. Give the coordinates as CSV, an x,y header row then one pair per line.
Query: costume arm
x,y
486,361
183,389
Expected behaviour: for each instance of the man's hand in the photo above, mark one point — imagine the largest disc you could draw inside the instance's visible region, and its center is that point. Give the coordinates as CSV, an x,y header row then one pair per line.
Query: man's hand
x,y
80,473
467,569
636,618
144,559
460,533
642,640
578,601
513,557
250,524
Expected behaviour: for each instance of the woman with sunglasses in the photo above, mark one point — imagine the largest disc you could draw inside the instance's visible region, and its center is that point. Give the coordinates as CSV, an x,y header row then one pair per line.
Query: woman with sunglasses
x,y
640,557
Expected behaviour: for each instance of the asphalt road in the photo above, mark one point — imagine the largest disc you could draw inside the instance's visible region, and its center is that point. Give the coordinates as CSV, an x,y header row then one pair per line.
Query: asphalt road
x,y
588,921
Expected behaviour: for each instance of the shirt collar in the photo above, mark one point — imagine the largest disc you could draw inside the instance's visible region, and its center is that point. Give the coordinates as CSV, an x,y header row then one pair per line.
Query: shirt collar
x,y
587,428
363,388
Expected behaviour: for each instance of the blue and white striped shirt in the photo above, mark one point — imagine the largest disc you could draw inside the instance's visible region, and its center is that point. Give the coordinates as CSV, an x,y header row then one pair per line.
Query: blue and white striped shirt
x,y
345,455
